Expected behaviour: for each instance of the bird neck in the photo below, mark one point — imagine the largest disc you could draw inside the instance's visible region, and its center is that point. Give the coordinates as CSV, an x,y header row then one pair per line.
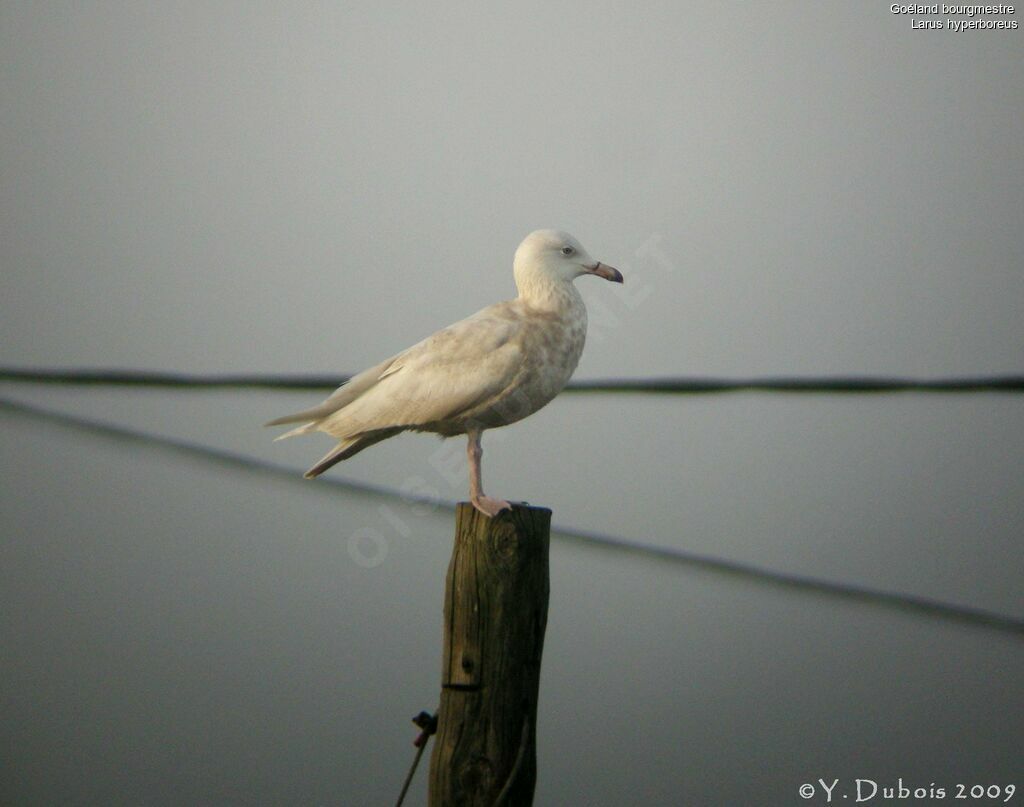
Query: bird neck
x,y
549,295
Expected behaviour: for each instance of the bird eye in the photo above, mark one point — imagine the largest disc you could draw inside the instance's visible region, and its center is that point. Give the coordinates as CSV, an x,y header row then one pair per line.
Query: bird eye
x,y
567,250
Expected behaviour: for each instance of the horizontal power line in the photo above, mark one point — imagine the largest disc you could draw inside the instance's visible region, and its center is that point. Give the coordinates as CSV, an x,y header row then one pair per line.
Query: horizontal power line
x,y
925,606
664,385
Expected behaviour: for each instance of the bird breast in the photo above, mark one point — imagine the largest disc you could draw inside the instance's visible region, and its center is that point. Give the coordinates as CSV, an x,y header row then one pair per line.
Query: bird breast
x,y
550,349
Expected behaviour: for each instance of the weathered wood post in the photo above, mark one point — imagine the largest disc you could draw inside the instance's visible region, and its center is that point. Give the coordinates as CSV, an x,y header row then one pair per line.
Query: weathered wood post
x,y
495,613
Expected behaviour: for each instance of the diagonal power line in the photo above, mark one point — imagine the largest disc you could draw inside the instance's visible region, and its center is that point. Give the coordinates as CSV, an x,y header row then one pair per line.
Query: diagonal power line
x,y
925,606
663,385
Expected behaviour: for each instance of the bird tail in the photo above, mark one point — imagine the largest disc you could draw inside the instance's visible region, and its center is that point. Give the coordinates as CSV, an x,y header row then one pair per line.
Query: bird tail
x,y
310,419
339,399
315,413
348,447
305,428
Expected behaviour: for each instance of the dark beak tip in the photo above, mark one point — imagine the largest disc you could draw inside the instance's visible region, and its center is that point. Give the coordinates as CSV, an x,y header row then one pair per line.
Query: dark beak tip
x,y
607,272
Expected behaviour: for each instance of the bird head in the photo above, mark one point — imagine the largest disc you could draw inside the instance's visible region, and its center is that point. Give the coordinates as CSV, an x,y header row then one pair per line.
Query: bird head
x,y
547,256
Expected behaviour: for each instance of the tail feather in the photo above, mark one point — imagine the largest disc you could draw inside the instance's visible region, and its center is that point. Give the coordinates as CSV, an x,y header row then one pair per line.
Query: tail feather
x,y
316,413
281,421
349,447
340,398
305,428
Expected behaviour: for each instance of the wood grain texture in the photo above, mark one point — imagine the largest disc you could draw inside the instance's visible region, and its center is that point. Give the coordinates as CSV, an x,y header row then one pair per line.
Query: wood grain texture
x,y
495,614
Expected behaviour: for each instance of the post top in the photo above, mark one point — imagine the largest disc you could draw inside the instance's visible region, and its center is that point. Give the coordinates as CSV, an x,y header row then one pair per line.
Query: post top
x,y
524,507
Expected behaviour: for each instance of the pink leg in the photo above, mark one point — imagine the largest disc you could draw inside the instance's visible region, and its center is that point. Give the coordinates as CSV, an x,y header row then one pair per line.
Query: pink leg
x,y
485,504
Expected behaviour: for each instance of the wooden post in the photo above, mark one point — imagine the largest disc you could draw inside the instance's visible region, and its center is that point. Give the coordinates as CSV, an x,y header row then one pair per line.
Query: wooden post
x,y
495,613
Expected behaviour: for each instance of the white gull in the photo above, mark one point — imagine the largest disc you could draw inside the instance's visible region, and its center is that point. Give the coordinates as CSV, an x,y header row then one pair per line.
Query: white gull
x,y
496,367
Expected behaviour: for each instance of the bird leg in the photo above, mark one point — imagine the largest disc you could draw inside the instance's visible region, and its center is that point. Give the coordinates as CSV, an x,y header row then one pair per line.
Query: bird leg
x,y
485,504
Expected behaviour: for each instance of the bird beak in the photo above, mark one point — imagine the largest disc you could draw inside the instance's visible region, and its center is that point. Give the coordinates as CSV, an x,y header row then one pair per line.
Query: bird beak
x,y
605,271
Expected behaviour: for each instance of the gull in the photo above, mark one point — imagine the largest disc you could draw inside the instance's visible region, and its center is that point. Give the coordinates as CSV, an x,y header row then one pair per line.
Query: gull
x,y
491,369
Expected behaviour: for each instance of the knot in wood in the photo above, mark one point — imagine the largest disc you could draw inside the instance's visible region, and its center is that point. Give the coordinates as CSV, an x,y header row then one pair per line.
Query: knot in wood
x,y
505,544
477,776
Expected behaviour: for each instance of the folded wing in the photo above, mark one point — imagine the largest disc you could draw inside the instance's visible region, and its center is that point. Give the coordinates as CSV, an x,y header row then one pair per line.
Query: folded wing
x,y
437,380
440,379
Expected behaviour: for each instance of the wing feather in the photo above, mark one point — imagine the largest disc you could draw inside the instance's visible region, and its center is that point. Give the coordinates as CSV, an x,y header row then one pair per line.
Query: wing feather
x,y
340,398
440,378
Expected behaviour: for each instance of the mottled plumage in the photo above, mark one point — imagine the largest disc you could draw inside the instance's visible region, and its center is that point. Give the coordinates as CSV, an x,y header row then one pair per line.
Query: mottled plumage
x,y
496,367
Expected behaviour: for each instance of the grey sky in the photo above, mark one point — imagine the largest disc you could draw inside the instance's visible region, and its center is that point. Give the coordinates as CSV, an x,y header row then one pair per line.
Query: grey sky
x,y
835,190
788,187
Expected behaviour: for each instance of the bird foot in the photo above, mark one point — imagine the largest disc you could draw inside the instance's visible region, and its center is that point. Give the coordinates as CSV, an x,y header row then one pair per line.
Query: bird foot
x,y
488,506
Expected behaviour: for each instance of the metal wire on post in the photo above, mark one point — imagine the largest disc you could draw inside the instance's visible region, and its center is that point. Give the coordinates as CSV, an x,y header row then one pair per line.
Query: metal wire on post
x,y
428,725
